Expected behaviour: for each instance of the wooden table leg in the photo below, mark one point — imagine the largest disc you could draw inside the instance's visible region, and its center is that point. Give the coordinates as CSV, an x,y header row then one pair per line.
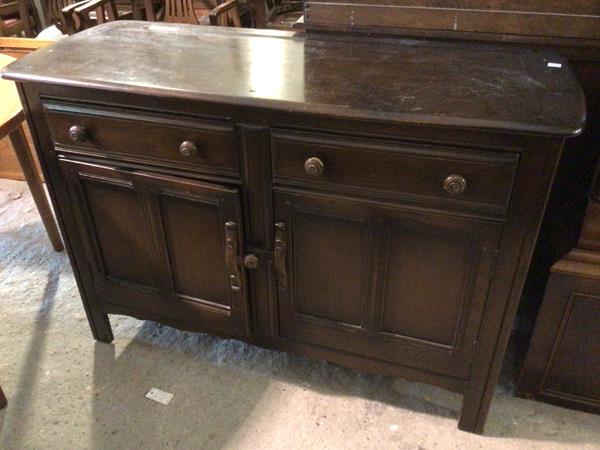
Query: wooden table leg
x,y
19,143
3,401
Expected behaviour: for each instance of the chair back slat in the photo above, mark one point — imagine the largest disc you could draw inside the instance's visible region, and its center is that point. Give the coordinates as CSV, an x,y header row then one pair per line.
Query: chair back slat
x,y
180,11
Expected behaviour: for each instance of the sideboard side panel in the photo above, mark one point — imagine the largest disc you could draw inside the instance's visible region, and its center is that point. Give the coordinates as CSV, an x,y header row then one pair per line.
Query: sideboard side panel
x,y
536,172
34,112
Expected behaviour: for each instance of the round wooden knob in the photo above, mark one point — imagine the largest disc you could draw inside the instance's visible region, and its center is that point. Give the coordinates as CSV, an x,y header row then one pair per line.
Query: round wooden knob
x,y
455,185
78,134
188,149
314,167
251,261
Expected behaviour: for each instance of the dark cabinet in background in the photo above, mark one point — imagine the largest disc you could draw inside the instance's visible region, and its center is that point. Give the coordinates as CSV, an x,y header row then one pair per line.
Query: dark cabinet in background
x,y
563,362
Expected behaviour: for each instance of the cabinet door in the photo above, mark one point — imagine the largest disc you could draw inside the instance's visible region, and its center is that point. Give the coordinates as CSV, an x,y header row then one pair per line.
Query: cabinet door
x,y
162,246
402,286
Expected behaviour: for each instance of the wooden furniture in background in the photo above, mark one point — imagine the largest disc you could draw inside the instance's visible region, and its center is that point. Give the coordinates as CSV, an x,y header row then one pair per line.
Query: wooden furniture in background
x,y
146,10
11,124
563,363
276,14
392,235
79,17
225,14
59,13
283,14
180,11
17,48
541,19
18,17
216,13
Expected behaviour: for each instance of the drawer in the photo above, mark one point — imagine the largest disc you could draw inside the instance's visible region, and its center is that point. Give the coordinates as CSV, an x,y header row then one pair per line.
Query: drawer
x,y
203,145
478,179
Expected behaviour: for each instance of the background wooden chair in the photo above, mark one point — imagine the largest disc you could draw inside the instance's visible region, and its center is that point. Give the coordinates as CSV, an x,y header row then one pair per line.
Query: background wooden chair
x,y
56,12
226,14
78,17
88,13
180,11
18,17
229,13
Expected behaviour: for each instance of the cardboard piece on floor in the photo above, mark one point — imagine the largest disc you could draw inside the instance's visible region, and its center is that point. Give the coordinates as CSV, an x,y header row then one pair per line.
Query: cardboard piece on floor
x,y
159,396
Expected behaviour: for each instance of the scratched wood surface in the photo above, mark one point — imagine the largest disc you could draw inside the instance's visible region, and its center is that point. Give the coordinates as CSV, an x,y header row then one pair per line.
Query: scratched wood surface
x,y
410,82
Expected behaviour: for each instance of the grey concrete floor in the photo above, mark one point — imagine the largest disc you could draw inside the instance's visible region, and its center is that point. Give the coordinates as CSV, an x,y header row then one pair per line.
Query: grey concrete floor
x,y
66,391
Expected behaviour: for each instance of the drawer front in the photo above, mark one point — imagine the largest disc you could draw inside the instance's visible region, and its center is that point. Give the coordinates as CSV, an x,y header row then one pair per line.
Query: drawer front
x,y
202,145
438,175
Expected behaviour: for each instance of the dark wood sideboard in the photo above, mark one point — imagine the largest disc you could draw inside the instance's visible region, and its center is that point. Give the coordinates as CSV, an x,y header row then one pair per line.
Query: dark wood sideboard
x,y
373,202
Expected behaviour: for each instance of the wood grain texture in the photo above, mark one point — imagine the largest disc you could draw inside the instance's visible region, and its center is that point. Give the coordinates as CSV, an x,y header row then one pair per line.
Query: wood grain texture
x,y
309,77
406,172
362,279
175,227
546,18
152,138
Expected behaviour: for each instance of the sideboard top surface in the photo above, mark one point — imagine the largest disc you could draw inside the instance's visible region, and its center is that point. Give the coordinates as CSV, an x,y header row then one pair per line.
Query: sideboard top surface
x,y
420,82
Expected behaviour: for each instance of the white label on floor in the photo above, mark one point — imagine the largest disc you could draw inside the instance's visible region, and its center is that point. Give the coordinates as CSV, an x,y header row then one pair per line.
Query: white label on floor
x,y
159,396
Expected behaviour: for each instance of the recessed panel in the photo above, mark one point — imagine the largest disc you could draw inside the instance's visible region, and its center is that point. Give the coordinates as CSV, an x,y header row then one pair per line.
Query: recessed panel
x,y
426,284
577,353
330,262
195,244
121,231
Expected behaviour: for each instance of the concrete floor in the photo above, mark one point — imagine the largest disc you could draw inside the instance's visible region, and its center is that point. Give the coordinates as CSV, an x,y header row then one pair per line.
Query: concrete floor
x,y
67,392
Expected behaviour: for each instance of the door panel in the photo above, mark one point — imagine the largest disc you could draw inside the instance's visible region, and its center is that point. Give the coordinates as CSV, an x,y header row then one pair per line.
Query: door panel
x,y
404,286
117,212
318,263
157,243
426,276
193,234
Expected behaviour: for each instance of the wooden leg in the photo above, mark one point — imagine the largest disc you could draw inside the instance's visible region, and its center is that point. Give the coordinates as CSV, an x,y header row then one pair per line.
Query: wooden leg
x,y
3,401
19,143
474,411
100,326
